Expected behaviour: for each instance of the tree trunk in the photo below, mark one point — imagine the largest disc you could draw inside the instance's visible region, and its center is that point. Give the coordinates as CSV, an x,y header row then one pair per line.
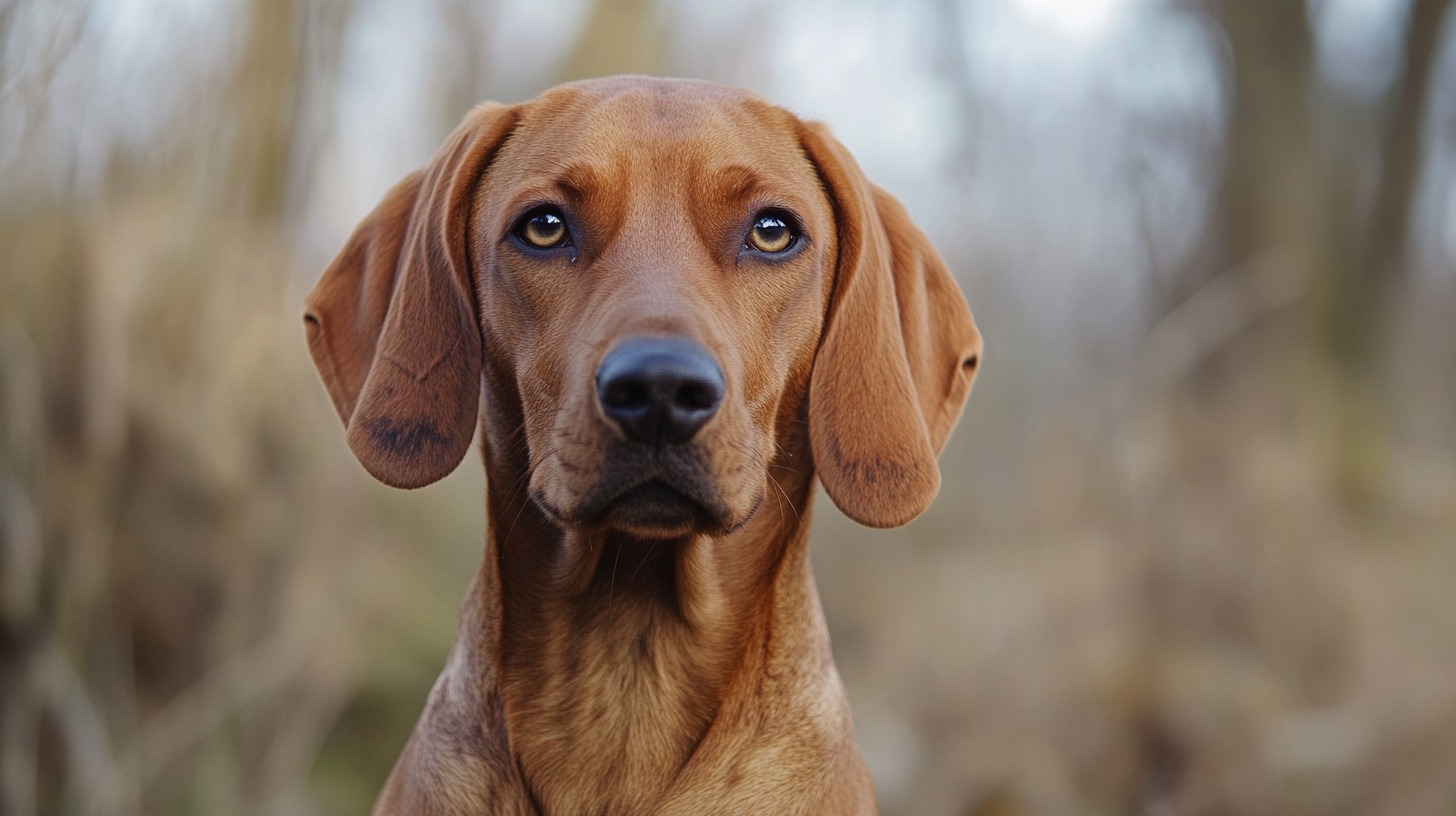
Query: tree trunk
x,y
1270,191
1359,312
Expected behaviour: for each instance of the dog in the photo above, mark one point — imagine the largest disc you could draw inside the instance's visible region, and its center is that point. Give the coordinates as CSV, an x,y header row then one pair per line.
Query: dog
x,y
668,306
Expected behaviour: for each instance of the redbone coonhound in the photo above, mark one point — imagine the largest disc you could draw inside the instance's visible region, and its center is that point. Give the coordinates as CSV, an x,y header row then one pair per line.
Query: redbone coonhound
x,y
668,305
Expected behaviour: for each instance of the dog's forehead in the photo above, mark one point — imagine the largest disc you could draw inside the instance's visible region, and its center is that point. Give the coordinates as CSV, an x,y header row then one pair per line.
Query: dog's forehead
x,y
666,126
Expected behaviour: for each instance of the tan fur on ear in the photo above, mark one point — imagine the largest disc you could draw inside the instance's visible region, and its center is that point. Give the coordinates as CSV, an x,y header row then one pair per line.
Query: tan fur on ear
x,y
392,323
899,354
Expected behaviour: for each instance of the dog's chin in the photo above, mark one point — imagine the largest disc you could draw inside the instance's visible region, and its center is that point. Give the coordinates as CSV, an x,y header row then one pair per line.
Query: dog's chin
x,y
656,510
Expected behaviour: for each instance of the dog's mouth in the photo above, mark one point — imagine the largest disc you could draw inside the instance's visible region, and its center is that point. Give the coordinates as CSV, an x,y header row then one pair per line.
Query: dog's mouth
x,y
656,509
663,498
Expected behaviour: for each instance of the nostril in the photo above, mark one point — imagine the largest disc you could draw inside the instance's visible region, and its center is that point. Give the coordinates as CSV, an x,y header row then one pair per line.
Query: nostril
x,y
625,395
696,396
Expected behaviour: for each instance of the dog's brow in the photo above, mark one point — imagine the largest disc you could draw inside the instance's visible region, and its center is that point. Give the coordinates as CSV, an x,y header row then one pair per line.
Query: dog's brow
x,y
576,181
738,185
737,182
573,183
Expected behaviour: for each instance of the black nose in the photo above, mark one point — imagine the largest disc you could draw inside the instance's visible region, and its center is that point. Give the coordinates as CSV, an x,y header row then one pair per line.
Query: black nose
x,y
659,390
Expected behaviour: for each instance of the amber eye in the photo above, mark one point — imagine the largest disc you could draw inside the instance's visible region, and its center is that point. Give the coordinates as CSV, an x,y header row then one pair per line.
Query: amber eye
x,y
543,229
772,233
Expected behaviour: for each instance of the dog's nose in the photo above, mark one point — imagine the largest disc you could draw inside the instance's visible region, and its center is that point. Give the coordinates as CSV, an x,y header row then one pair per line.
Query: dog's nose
x,y
659,390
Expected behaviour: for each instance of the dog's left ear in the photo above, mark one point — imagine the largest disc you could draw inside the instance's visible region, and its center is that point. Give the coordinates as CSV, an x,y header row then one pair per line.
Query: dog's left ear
x,y
392,323
899,353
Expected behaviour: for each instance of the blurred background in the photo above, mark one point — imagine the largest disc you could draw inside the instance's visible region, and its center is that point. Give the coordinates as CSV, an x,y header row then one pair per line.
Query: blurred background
x,y
1195,552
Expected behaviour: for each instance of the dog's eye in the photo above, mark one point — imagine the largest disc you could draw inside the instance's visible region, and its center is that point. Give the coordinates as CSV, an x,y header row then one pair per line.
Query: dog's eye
x,y
772,233
543,228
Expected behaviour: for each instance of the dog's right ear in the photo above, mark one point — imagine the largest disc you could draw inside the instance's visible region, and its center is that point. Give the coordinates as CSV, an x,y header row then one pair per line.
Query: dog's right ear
x,y
392,323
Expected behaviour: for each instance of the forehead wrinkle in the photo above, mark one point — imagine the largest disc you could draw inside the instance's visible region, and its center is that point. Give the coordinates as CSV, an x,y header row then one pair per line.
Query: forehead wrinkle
x,y
740,187
737,183
578,184
734,182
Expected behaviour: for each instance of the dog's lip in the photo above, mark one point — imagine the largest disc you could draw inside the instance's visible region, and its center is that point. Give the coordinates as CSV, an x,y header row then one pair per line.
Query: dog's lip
x,y
656,505
658,489
652,500
652,490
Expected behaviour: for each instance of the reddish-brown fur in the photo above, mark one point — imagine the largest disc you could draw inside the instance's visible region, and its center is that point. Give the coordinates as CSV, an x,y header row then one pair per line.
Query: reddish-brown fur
x,y
601,666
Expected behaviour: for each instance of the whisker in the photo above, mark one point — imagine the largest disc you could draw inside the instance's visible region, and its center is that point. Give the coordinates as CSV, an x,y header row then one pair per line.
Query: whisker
x,y
612,584
775,483
520,483
643,562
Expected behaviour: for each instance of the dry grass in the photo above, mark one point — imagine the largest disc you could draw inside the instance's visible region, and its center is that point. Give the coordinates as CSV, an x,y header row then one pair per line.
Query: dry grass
x,y
192,567
1183,612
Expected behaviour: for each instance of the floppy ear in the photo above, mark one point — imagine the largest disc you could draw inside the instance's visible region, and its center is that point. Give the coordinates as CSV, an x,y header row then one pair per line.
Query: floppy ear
x,y
392,323
898,355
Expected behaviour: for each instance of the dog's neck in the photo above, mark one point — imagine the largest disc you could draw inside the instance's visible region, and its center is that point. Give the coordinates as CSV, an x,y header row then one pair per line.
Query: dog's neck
x,y
608,661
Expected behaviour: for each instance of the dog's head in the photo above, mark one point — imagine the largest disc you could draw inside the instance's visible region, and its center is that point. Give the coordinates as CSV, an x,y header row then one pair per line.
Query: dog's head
x,y
663,279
